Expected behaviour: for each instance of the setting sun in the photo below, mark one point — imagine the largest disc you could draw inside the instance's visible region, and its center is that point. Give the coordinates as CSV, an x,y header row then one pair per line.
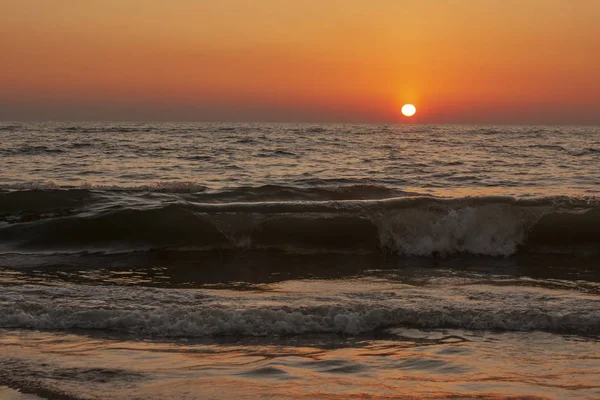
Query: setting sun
x,y
408,110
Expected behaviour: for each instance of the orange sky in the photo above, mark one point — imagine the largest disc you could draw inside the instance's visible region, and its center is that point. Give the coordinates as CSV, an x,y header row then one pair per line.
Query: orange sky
x,y
458,61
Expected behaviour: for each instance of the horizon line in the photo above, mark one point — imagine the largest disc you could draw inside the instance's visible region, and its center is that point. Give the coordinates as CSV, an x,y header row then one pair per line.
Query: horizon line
x,y
296,122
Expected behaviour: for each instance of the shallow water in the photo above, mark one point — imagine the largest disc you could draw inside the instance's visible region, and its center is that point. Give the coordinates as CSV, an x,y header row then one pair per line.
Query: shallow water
x,y
400,363
288,261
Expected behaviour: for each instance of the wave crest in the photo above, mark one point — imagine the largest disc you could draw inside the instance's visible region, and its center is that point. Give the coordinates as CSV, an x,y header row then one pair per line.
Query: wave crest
x,y
77,220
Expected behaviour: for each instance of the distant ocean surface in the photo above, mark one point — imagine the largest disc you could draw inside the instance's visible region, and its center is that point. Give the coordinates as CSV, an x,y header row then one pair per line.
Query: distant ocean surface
x,y
171,260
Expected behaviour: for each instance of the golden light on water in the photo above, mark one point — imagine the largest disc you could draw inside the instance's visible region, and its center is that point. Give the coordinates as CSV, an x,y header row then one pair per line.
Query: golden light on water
x,y
408,110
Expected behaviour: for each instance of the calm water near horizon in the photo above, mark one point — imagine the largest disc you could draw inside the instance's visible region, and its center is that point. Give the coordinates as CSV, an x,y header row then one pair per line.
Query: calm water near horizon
x,y
184,261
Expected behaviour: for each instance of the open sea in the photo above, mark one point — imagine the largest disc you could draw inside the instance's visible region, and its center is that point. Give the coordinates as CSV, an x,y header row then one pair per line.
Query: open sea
x,y
300,261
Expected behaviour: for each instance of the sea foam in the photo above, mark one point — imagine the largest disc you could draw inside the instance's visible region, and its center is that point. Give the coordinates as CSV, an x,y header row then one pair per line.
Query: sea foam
x,y
342,309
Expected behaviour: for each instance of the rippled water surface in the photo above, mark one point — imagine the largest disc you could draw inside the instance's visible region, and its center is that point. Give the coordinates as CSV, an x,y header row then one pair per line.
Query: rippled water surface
x,y
193,261
426,159
400,364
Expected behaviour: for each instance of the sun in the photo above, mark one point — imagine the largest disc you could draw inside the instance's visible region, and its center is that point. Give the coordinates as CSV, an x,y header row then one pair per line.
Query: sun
x,y
408,110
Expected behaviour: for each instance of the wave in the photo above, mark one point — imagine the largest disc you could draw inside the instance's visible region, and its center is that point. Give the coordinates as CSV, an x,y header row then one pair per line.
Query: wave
x,y
591,151
37,191
9,127
94,128
78,220
196,313
311,193
30,150
547,147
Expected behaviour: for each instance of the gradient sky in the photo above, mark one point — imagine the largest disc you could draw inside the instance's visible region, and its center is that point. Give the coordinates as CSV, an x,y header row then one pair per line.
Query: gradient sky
x,y
458,61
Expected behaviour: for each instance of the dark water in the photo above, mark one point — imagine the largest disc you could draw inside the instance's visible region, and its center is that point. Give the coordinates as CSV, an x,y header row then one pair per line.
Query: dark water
x,y
320,261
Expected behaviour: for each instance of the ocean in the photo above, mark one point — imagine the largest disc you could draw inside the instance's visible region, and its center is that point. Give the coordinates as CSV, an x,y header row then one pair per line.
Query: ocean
x,y
313,261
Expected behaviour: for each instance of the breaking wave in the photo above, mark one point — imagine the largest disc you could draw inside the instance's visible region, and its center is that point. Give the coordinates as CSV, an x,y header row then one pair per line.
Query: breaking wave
x,y
196,313
93,219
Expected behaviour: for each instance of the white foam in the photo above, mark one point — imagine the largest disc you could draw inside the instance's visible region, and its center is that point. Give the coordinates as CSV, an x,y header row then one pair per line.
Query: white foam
x,y
343,309
491,229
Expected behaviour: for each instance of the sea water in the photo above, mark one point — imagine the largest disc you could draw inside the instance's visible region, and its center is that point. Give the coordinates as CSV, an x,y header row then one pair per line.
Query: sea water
x,y
147,260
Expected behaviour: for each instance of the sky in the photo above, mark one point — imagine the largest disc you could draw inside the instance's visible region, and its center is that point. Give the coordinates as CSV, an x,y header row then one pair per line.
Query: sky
x,y
458,61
